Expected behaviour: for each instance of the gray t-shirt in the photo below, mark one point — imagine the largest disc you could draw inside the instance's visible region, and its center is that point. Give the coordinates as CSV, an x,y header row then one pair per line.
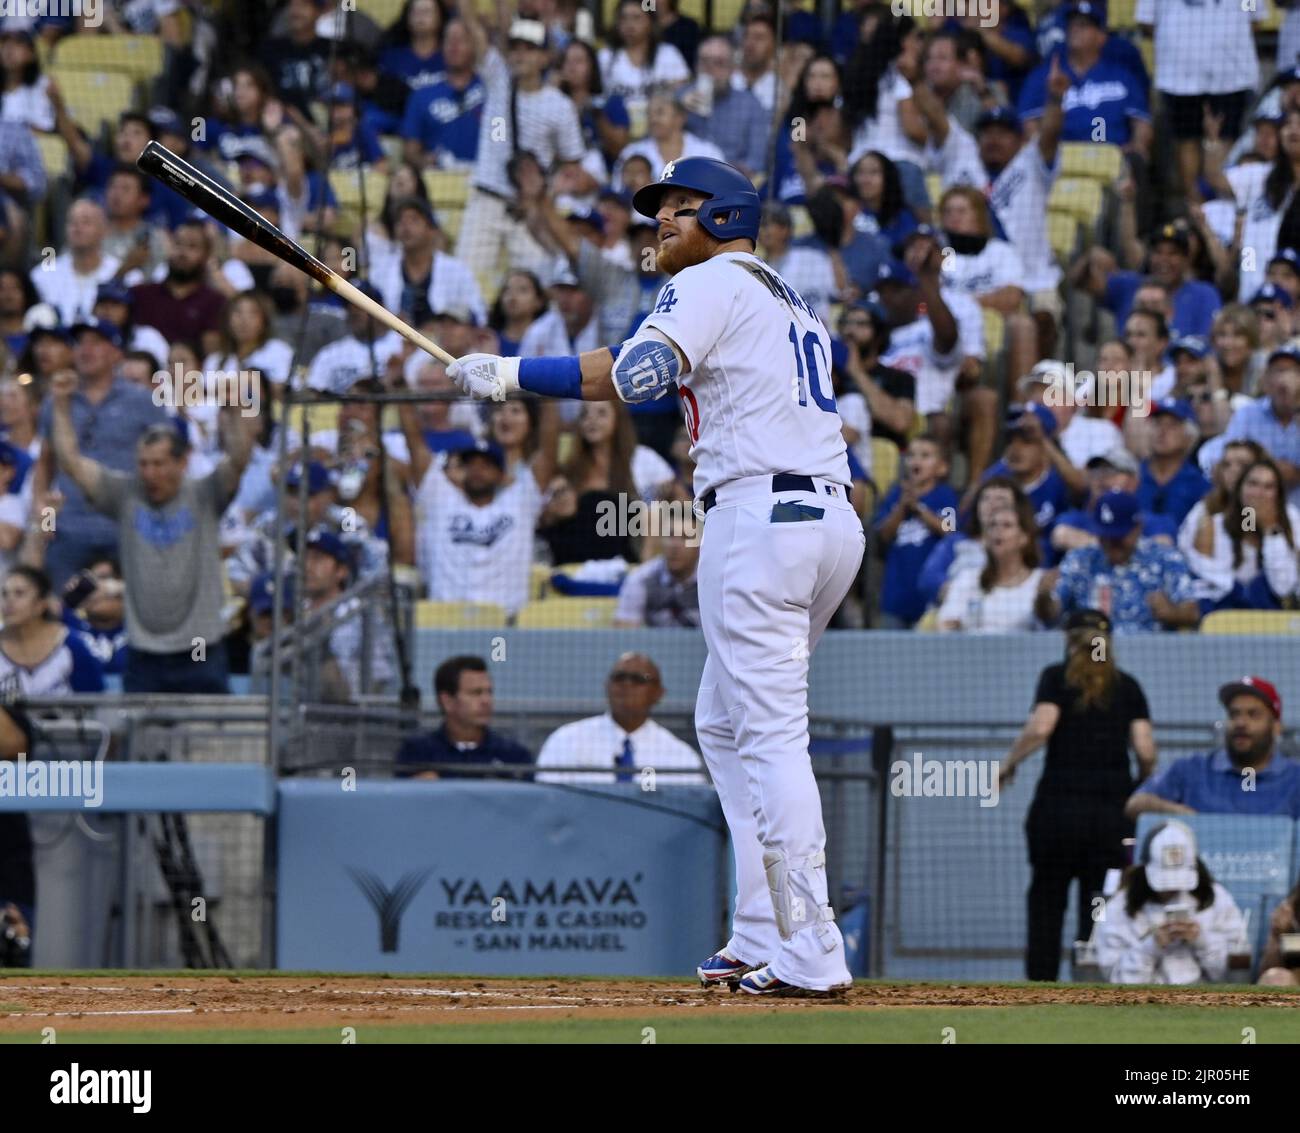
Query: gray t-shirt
x,y
171,559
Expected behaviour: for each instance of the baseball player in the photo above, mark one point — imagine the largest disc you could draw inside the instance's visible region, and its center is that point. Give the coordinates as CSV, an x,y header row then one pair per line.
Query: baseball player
x,y
781,545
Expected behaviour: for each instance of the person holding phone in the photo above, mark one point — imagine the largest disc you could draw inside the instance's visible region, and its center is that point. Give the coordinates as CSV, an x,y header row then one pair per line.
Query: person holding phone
x,y
1170,922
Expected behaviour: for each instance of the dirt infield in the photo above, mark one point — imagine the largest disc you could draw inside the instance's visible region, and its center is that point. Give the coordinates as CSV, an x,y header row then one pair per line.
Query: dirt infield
x,y
29,1002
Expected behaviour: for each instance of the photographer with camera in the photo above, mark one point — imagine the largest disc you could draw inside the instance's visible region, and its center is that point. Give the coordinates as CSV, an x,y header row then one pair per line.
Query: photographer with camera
x,y
1170,922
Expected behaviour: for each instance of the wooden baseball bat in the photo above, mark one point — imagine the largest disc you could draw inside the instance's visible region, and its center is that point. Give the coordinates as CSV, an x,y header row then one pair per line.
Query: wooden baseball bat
x,y
222,205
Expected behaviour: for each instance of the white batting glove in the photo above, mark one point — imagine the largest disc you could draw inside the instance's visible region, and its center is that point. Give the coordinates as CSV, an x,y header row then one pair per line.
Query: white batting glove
x,y
485,376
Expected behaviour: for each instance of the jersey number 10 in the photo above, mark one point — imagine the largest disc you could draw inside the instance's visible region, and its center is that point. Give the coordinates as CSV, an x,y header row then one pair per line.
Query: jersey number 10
x,y
810,379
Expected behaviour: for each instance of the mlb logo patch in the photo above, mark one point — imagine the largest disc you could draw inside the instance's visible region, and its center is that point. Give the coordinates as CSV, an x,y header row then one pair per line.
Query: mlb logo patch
x,y
1173,857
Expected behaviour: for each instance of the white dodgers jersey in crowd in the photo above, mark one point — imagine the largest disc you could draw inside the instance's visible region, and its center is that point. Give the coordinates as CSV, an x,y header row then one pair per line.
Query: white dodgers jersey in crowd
x,y
758,398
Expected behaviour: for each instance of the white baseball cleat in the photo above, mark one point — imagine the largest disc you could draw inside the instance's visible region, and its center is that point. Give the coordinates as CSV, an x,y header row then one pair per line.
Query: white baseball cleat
x,y
761,981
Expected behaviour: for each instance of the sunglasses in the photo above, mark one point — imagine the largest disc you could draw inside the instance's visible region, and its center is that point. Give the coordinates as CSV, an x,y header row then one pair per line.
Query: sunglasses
x,y
623,677
1265,313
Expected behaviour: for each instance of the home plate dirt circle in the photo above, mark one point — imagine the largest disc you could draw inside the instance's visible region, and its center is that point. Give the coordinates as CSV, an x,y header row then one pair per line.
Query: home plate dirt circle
x,y
29,1003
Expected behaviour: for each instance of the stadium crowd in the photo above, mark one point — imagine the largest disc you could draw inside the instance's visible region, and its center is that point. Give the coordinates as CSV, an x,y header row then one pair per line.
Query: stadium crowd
x,y
911,169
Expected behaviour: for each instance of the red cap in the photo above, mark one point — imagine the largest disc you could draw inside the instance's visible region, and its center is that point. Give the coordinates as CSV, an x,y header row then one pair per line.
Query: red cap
x,y
1253,686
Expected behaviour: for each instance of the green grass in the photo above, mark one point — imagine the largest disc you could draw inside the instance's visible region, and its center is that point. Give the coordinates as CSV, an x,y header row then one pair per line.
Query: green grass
x,y
1048,1024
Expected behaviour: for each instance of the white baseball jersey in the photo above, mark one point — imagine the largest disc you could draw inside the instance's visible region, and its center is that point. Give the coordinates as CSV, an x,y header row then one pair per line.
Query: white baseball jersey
x,y
338,366
476,554
1017,196
1203,48
995,266
758,398
911,348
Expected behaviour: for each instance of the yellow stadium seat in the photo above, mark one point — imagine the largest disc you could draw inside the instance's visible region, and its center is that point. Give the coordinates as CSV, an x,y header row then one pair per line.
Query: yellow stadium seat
x,y
1252,623
1272,20
383,12
447,188
934,187
1122,14
54,153
323,417
568,613
995,333
1063,235
800,222
929,622
1077,196
885,459
1147,49
449,220
1096,160
458,615
140,57
94,98
346,184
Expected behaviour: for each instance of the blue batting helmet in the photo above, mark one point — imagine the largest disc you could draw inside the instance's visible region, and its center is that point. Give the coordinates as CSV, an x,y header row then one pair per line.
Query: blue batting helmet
x,y
733,209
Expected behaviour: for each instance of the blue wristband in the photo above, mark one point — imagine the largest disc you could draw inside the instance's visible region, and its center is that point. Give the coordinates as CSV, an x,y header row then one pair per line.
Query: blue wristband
x,y
552,377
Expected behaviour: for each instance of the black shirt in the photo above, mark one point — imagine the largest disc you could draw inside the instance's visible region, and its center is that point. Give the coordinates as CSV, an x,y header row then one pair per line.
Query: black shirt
x,y
17,876
579,538
1088,751
896,383
299,72
437,747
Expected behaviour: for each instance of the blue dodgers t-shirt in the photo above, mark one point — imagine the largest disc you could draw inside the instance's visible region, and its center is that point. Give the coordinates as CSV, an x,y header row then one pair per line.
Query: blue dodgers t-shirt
x,y
1174,499
444,119
1117,49
1050,495
1195,303
1108,91
362,148
1211,783
406,64
901,593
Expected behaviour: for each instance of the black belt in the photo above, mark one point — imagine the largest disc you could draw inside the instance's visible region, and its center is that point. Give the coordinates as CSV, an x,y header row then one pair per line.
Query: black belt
x,y
781,482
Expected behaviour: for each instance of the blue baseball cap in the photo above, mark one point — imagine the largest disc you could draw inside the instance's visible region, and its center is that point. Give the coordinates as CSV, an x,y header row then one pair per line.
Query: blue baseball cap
x,y
342,92
1092,9
1288,256
998,116
1174,407
871,304
1190,344
261,592
318,478
1017,418
101,327
1272,293
324,540
261,197
590,216
1288,351
114,291
165,120
490,449
1114,515
895,271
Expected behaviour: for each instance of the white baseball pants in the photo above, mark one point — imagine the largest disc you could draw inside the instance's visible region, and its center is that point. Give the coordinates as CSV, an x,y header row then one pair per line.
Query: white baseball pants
x,y
767,590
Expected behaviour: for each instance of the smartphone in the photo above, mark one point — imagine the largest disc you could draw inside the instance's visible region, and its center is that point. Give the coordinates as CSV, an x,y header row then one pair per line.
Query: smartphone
x,y
82,585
